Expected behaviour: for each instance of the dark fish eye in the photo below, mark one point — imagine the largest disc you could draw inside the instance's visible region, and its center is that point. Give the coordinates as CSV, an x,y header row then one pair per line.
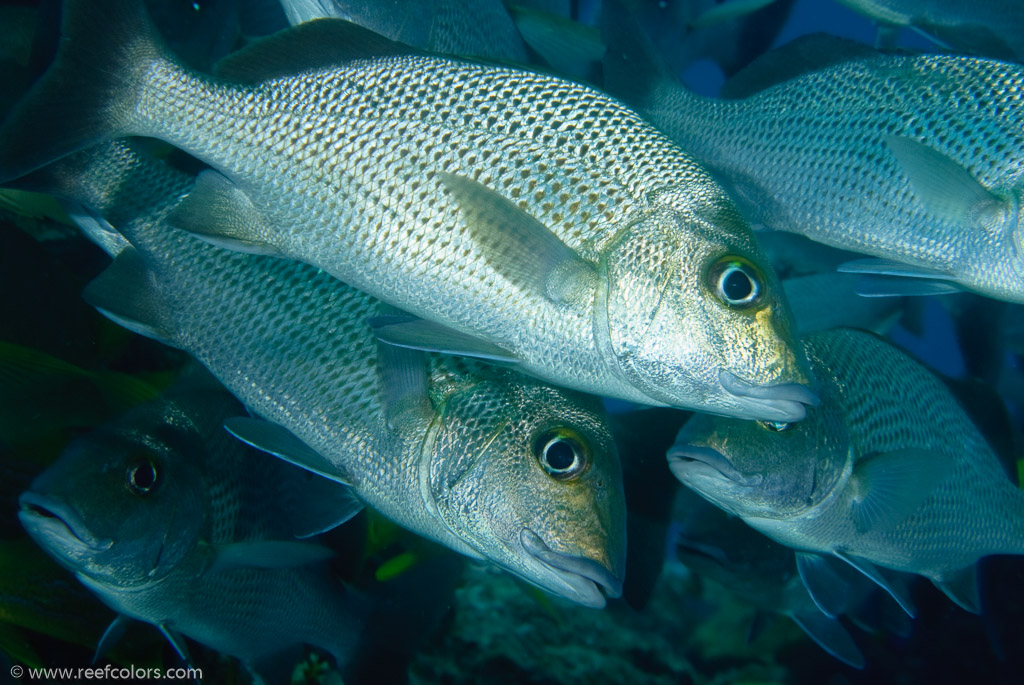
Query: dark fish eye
x,y
775,426
562,453
142,476
736,282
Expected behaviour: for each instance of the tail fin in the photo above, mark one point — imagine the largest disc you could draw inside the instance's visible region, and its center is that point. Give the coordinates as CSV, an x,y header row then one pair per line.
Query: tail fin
x,y
88,94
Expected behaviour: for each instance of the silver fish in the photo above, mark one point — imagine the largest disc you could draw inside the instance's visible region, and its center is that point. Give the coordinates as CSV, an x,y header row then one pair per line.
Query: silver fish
x,y
888,472
526,219
912,159
989,28
485,461
170,520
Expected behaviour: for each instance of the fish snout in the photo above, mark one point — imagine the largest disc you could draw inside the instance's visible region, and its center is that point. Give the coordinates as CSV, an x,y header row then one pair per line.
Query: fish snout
x,y
579,575
53,520
786,402
686,460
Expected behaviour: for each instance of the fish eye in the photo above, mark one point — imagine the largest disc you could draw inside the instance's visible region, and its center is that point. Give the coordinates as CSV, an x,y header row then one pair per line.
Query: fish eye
x,y
775,426
142,476
562,453
736,282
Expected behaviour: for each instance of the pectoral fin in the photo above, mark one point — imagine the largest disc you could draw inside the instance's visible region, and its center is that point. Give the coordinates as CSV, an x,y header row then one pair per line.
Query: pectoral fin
x,y
889,278
895,286
282,443
896,590
891,267
944,187
962,587
888,488
827,588
428,336
219,212
267,554
518,246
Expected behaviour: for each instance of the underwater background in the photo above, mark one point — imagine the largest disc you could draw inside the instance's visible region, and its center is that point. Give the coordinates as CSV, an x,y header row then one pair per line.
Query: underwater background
x,y
440,618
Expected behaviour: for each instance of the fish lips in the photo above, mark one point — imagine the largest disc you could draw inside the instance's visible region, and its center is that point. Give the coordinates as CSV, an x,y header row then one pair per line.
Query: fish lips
x,y
786,402
579,576
689,461
57,526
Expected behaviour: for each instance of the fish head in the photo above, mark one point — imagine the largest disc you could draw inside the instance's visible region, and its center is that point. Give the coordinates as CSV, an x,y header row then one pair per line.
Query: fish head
x,y
763,469
119,506
528,476
696,318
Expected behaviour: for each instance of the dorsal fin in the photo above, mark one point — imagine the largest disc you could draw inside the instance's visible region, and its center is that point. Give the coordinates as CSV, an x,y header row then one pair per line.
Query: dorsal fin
x,y
306,47
800,56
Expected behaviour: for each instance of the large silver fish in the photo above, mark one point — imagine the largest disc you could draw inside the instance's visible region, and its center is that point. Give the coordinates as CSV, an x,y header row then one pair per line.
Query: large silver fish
x,y
525,218
990,28
170,520
486,461
913,159
889,471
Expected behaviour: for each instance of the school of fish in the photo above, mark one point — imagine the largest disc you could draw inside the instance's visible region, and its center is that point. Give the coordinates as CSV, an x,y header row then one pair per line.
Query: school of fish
x,y
414,245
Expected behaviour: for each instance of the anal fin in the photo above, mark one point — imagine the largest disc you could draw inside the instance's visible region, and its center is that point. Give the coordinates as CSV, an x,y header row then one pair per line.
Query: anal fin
x,y
127,293
220,212
962,587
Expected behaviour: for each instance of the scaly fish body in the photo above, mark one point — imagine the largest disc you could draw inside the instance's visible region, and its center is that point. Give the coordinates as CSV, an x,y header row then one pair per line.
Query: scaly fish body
x,y
140,508
536,220
908,158
487,462
889,470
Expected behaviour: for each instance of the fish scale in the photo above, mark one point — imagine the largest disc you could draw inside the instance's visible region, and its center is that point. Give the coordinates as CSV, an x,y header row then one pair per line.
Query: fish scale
x,y
810,155
350,168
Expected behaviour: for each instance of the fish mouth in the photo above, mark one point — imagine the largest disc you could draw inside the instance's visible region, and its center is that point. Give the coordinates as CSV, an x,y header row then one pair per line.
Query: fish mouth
x,y
686,461
786,402
578,577
57,525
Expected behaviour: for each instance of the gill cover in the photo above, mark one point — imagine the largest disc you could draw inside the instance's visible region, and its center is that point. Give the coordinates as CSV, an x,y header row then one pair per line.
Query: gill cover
x,y
639,267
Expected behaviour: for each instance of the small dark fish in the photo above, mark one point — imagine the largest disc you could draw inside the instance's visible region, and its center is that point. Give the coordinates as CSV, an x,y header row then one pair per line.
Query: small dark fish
x,y
170,520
